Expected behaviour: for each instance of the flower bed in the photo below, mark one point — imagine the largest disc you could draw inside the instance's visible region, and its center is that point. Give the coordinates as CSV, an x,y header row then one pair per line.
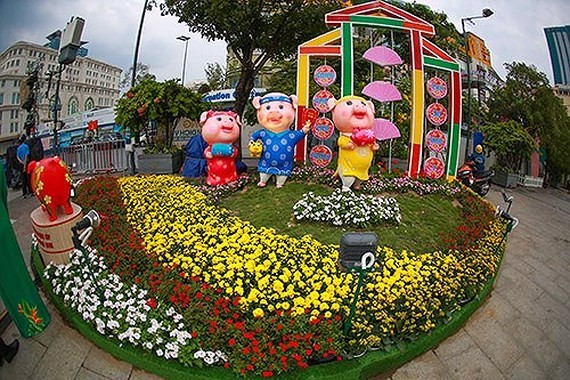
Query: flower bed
x,y
252,299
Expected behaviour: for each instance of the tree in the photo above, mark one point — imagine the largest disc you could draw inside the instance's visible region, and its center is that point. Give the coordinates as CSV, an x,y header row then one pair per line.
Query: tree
x,y
511,143
143,72
164,102
216,76
528,99
256,31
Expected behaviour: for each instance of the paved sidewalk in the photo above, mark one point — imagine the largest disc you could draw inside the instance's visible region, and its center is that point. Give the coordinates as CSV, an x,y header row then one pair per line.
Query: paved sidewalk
x,y
521,332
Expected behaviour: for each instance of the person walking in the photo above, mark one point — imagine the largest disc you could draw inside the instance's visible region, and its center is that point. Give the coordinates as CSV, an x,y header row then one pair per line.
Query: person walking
x,y
17,290
8,351
23,155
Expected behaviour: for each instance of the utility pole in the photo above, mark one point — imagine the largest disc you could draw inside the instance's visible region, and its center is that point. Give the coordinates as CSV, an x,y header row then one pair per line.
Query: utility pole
x,y
484,14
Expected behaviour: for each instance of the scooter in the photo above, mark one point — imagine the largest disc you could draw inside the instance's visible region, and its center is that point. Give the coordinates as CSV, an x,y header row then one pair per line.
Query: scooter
x,y
479,183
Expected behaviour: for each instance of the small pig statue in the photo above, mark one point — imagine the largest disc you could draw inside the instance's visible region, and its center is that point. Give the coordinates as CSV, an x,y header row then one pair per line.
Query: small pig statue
x,y
353,116
220,129
275,113
51,182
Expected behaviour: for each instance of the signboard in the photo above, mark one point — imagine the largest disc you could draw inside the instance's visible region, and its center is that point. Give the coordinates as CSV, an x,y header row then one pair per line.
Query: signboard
x,y
433,168
228,95
436,140
436,87
324,75
323,128
320,155
185,129
320,101
478,50
436,114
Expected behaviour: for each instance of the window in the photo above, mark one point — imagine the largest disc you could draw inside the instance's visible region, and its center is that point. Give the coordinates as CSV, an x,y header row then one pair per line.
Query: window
x,y
15,98
89,104
73,106
1,98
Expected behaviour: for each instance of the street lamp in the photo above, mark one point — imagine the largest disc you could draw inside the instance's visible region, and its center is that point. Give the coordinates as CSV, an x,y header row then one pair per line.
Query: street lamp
x,y
484,14
185,39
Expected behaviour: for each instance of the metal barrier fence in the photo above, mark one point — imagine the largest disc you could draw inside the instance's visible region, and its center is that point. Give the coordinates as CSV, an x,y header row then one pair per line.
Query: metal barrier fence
x,y
96,157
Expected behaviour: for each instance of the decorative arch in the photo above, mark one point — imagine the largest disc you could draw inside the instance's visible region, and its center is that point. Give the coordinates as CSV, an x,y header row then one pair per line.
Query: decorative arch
x,y
424,54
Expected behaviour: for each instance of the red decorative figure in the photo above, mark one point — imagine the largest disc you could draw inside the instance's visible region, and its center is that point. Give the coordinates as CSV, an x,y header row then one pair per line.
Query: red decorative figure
x,y
51,183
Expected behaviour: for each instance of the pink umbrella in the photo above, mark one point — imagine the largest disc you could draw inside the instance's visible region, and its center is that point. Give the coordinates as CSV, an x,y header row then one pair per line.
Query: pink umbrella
x,y
382,55
385,130
382,91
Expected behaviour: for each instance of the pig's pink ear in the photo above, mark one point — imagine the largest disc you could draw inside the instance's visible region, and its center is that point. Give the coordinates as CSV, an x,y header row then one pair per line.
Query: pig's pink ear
x,y
294,101
237,120
256,102
370,104
331,103
203,117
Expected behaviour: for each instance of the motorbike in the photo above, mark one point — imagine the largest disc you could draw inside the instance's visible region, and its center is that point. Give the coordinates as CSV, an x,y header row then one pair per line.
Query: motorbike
x,y
479,182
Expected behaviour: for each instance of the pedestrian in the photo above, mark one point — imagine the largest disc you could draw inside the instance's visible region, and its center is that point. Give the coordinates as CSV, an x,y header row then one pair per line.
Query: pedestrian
x,y
13,167
23,155
8,351
17,290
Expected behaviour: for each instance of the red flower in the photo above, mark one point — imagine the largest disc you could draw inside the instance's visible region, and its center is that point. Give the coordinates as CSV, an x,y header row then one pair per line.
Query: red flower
x,y
249,367
267,373
152,303
232,341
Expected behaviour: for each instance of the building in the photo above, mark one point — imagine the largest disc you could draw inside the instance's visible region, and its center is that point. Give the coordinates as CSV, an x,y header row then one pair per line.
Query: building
x,y
558,40
86,84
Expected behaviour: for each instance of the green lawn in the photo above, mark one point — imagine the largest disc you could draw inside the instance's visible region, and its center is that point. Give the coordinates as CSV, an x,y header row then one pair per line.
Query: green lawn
x,y
423,217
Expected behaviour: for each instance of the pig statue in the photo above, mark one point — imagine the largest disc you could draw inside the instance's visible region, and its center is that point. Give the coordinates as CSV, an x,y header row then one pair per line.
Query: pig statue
x,y
51,182
353,116
220,129
275,113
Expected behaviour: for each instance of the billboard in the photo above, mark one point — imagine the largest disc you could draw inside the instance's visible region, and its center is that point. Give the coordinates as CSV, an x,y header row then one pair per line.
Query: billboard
x,y
477,49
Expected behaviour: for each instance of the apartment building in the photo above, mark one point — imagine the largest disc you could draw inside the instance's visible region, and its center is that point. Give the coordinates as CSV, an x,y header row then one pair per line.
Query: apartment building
x,y
87,84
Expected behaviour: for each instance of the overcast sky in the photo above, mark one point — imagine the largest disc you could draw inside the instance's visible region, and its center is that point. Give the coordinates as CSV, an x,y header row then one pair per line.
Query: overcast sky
x,y
514,33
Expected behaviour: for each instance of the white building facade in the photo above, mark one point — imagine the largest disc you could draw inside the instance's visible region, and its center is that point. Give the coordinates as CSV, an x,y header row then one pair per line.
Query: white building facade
x,y
87,84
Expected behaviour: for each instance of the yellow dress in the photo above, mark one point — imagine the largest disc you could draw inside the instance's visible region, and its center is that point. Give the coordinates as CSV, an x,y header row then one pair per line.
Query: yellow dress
x,y
354,162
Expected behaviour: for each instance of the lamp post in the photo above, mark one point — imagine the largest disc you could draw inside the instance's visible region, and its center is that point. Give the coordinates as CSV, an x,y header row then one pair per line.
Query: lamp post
x,y
137,45
484,14
185,39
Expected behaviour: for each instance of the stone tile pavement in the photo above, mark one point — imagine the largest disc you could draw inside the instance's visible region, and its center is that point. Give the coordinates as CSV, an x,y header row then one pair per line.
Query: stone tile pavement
x,y
521,332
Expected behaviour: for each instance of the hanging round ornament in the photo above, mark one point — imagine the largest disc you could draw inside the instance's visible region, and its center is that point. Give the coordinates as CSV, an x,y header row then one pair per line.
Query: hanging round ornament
x,y
436,114
436,140
324,75
323,128
320,101
320,155
433,168
436,87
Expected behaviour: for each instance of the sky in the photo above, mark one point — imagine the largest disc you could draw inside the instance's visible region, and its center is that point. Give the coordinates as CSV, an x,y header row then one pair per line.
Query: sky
x,y
514,32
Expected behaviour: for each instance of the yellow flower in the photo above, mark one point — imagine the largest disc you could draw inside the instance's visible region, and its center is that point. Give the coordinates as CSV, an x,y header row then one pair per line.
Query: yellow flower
x,y
258,313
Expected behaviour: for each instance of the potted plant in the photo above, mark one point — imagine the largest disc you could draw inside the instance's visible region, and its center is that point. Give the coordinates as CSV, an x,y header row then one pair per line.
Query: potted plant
x,y
162,104
511,144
